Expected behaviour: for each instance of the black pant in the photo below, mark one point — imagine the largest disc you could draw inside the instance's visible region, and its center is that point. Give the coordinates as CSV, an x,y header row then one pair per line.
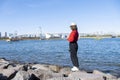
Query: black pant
x,y
73,53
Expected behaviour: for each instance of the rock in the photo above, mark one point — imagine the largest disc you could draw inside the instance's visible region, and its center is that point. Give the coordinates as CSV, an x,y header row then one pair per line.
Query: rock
x,y
22,75
2,77
65,70
84,76
26,67
15,71
3,63
41,74
39,66
56,75
17,67
108,76
33,77
7,72
118,79
54,68
60,78
9,66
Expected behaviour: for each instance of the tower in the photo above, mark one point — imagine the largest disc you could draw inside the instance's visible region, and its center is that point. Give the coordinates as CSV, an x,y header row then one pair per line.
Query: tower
x,y
5,34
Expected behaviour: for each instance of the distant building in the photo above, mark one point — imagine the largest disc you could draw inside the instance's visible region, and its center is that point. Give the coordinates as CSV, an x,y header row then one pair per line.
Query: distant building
x,y
0,35
48,36
56,36
5,34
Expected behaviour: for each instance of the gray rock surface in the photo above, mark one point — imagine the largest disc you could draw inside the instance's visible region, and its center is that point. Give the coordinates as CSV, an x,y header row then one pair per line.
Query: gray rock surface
x,y
65,70
108,76
22,75
84,76
7,72
54,68
40,66
3,63
118,79
2,77
41,74
60,78
16,71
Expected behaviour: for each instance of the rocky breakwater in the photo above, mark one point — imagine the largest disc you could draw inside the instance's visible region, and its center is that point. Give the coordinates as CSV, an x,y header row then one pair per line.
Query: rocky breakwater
x,y
16,71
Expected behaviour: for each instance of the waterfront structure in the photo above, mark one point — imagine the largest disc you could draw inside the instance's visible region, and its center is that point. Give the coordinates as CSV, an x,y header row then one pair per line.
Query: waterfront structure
x,y
5,34
0,35
48,36
56,36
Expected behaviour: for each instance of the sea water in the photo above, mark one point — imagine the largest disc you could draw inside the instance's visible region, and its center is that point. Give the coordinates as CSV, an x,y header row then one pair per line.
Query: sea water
x,y
93,54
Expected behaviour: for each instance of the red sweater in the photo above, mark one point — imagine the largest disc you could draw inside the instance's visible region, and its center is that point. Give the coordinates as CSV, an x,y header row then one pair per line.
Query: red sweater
x,y
73,37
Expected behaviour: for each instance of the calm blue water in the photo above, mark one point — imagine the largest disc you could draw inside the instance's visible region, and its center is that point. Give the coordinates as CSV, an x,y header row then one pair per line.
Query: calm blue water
x,y
93,54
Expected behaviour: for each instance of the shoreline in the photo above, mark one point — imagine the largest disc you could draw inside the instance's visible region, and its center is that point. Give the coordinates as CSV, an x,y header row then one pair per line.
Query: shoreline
x,y
61,38
14,70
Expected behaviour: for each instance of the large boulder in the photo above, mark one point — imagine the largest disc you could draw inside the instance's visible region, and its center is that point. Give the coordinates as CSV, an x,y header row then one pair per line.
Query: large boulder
x,y
41,74
40,66
2,77
107,76
54,68
84,76
7,72
33,77
61,78
17,67
65,70
3,63
22,75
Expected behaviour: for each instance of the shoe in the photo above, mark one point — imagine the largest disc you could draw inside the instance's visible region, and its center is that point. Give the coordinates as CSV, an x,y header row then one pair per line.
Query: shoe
x,y
74,69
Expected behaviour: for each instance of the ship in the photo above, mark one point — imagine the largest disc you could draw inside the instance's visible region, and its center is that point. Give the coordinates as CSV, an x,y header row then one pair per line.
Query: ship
x,y
12,39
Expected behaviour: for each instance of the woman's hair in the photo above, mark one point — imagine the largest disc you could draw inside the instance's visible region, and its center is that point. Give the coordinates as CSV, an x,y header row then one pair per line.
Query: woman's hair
x,y
74,27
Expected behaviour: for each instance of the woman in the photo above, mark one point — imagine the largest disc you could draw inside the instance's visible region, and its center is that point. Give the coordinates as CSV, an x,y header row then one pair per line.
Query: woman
x,y
73,38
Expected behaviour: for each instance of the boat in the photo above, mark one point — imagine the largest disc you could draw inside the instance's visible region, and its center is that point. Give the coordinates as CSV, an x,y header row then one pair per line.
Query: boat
x,y
12,39
8,40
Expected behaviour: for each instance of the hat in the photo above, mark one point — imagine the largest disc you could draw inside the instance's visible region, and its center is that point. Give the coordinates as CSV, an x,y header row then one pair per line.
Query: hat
x,y
73,24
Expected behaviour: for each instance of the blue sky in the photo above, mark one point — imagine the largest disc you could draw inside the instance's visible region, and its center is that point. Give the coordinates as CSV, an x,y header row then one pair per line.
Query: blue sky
x,y
55,16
